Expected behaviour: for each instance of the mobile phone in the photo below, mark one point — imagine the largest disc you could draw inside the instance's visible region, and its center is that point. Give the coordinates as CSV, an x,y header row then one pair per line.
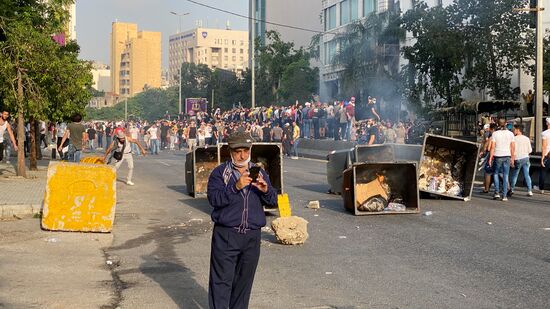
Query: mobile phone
x,y
254,171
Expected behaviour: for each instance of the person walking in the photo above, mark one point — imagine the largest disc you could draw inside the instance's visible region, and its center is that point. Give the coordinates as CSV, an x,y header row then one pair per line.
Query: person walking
x,y
76,133
545,155
6,127
191,135
295,139
502,155
154,139
237,201
122,147
522,151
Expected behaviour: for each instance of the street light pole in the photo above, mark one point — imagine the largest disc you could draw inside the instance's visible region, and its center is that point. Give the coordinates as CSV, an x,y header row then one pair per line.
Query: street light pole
x,y
253,55
179,101
180,16
539,79
126,109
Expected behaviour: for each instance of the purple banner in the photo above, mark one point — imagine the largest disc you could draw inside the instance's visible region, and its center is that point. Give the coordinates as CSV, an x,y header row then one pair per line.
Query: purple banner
x,y
195,105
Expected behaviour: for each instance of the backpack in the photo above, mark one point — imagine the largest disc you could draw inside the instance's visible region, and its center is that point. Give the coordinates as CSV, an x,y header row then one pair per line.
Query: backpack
x,y
119,154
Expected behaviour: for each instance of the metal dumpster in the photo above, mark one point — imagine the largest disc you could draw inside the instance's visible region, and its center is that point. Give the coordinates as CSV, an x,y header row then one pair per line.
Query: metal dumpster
x,y
199,163
388,153
448,167
338,161
392,184
268,155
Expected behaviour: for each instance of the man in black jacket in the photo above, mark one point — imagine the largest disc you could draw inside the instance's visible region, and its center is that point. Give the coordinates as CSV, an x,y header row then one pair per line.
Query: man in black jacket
x,y
238,217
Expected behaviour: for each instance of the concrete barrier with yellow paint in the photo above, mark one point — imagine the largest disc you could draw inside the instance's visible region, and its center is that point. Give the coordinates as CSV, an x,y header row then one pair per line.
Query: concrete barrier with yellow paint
x,y
79,197
284,205
92,160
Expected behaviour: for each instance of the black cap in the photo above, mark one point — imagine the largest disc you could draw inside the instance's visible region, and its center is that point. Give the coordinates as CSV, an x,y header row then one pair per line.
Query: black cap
x,y
239,140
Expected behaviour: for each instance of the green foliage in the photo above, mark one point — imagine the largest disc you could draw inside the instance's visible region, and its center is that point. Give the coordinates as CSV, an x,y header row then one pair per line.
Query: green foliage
x,y
54,80
298,82
274,58
151,105
369,56
471,44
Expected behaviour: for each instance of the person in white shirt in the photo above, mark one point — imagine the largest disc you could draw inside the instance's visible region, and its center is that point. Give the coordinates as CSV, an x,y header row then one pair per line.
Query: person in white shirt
x,y
545,157
154,139
134,133
522,151
502,156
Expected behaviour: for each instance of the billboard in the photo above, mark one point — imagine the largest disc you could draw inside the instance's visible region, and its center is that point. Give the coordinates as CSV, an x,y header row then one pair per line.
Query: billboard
x,y
195,105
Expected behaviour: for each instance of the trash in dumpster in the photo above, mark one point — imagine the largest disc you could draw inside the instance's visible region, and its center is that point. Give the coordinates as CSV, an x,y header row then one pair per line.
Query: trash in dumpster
x,y
381,188
442,170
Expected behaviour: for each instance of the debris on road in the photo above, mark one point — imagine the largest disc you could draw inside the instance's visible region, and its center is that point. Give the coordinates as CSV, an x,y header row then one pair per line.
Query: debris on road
x,y
313,205
490,223
428,213
546,228
51,239
290,230
342,237
328,273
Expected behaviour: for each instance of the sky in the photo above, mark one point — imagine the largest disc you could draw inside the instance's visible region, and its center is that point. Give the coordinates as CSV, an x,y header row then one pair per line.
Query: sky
x,y
94,19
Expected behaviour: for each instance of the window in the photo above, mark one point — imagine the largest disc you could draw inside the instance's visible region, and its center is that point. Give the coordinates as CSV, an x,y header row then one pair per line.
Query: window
x,y
242,43
330,51
344,12
234,58
234,42
369,6
225,50
354,10
332,17
242,51
234,50
225,58
241,59
225,41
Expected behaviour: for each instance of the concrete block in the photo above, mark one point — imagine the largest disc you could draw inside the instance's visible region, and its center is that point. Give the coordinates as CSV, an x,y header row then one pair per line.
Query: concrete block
x,y
79,197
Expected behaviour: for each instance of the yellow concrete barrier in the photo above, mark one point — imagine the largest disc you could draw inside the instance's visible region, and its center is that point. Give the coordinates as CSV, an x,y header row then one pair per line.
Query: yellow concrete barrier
x,y
92,160
79,197
284,205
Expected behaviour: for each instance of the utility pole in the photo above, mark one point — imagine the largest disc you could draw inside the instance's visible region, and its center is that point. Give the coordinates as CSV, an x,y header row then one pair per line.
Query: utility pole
x,y
126,109
212,108
253,54
536,9
179,100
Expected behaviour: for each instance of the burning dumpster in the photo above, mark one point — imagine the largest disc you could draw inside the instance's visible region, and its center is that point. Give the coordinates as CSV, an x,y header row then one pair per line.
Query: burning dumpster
x,y
268,156
199,164
388,153
338,161
381,189
448,167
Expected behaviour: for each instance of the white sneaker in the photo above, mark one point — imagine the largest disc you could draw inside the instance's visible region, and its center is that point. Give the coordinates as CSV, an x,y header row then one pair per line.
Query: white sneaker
x,y
541,191
529,193
129,183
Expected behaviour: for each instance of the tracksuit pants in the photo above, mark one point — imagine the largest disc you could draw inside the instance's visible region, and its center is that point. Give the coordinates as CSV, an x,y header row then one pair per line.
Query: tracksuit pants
x,y
233,261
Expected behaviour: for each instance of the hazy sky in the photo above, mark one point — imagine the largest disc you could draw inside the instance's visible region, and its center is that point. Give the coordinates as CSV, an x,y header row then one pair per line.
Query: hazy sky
x,y
94,18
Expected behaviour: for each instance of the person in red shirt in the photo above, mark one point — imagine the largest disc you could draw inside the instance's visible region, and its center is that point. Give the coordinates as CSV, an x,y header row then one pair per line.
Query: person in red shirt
x,y
350,113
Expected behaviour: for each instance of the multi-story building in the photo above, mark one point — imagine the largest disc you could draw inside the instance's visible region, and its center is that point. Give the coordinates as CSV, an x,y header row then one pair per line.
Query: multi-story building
x,y
71,27
135,59
337,14
303,14
102,77
217,48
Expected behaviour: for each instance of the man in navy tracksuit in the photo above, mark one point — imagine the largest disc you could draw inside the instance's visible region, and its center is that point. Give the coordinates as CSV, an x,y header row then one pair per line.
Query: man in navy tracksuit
x,y
238,216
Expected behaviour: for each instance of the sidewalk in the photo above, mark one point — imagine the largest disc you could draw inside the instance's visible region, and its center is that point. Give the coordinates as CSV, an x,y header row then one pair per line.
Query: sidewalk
x,y
22,196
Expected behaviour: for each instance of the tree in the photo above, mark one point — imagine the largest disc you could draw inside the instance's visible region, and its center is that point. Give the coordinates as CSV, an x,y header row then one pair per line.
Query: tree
x,y
298,82
436,59
273,59
39,77
497,43
368,57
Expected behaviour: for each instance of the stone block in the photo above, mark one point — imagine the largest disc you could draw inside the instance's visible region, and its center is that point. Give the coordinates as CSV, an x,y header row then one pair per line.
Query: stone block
x,y
290,230
79,197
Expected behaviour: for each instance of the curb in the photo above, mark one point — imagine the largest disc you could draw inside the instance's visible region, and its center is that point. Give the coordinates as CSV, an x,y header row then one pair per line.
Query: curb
x,y
9,211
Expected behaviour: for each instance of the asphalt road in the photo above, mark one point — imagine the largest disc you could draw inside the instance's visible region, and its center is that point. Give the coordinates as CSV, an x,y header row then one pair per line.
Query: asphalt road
x,y
477,254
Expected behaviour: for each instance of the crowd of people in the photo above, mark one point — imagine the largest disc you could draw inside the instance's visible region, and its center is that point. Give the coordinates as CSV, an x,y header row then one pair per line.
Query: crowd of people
x,y
505,153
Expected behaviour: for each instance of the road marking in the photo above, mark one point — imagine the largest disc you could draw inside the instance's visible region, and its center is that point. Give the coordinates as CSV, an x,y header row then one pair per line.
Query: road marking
x,y
163,163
